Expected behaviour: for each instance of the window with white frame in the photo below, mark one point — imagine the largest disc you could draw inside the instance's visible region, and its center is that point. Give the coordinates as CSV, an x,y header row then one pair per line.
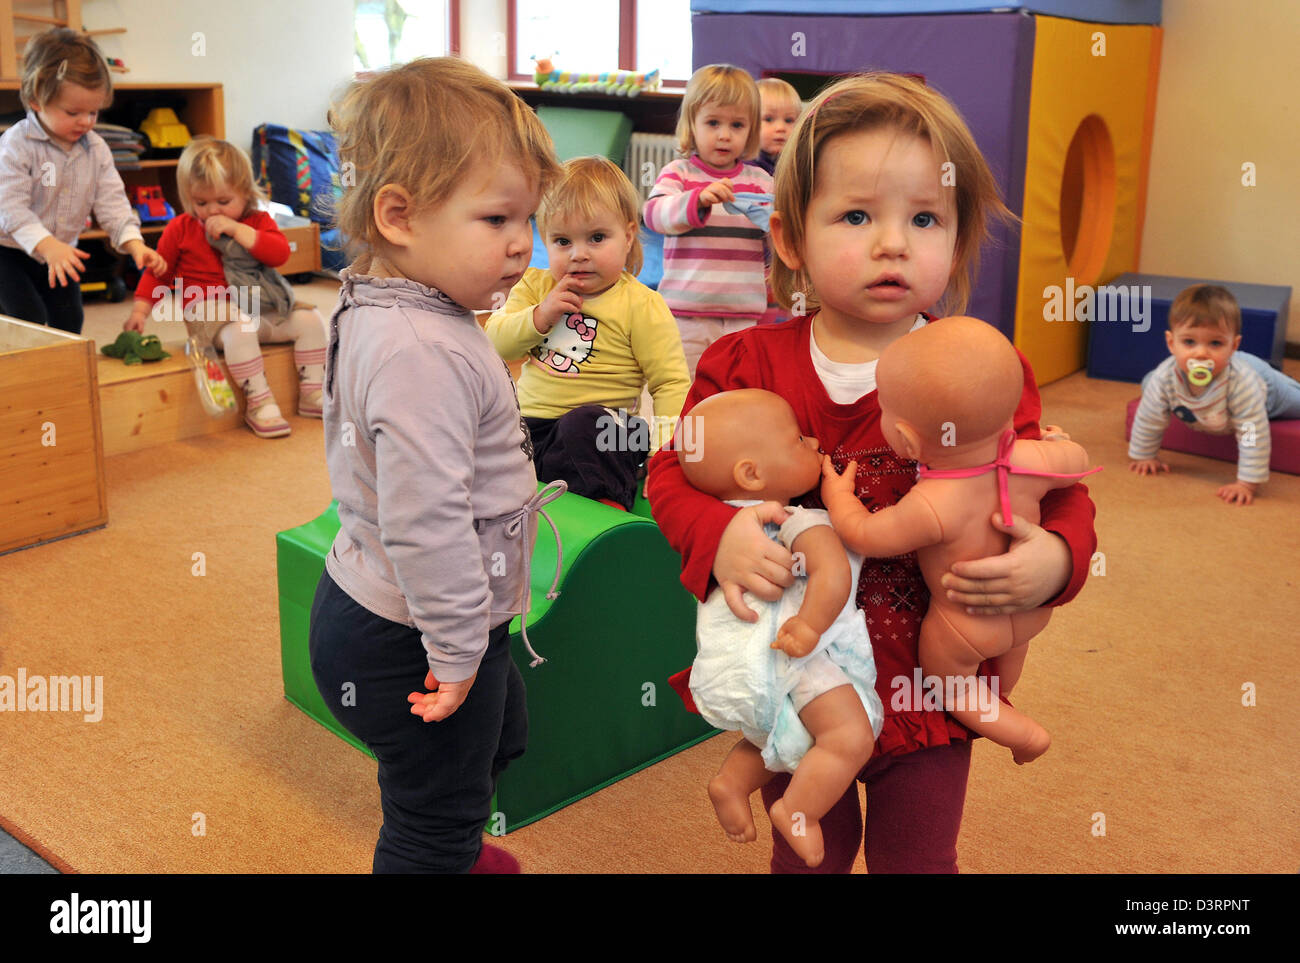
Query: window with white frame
x,y
395,31
602,35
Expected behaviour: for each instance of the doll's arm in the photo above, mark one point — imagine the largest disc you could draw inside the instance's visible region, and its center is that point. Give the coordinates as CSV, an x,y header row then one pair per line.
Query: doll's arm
x,y
829,584
1060,456
906,526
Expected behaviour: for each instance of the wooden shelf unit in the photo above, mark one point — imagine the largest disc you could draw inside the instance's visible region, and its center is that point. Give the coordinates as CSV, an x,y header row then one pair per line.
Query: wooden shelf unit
x,y
203,112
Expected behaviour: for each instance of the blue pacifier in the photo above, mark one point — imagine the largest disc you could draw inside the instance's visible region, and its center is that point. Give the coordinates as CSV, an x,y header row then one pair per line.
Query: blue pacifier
x,y
1200,373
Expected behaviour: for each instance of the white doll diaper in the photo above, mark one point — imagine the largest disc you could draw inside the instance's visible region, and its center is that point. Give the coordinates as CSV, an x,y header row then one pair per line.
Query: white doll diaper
x,y
739,682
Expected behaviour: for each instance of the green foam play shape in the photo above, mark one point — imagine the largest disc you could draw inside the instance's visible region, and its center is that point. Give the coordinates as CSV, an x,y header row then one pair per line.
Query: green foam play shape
x,y
600,709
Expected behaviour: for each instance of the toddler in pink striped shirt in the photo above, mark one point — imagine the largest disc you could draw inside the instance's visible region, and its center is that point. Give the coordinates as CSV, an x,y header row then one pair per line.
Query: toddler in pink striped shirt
x,y
713,256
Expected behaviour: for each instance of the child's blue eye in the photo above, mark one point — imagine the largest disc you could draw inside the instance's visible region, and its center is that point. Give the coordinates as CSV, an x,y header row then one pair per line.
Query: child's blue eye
x,y
856,218
560,241
597,238
925,220
496,220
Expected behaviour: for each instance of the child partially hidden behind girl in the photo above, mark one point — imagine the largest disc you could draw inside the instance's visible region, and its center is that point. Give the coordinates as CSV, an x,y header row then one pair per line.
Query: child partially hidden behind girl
x,y
223,252
593,336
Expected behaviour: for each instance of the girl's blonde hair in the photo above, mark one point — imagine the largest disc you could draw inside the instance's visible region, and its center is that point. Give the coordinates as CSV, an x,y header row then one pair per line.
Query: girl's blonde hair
x,y
884,101
422,126
211,163
587,187
726,86
58,56
778,91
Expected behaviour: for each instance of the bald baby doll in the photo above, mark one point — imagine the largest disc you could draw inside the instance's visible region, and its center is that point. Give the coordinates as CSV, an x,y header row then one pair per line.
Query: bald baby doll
x,y
799,683
948,393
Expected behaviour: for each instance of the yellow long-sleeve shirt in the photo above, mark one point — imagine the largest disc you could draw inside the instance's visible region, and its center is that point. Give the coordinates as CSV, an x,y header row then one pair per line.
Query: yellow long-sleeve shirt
x,y
624,339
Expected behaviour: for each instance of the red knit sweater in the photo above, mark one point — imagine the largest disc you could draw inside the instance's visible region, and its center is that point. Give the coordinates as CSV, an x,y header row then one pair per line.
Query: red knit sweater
x,y
891,592
184,245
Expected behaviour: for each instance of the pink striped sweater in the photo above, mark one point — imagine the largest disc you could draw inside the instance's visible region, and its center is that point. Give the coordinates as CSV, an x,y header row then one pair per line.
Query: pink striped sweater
x,y
713,265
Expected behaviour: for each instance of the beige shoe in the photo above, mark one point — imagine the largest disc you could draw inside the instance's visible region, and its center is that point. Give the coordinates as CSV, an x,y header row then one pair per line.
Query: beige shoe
x,y
311,402
266,421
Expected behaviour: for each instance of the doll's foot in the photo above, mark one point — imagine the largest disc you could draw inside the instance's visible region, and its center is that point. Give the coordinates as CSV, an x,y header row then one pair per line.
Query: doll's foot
x,y
1030,750
803,834
731,803
311,401
266,421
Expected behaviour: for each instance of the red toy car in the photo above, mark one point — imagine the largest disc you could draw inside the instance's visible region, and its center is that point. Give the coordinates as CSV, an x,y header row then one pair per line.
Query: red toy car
x,y
150,205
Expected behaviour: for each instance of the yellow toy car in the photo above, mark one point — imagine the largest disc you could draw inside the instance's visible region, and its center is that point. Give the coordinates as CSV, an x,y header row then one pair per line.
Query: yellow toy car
x,y
164,129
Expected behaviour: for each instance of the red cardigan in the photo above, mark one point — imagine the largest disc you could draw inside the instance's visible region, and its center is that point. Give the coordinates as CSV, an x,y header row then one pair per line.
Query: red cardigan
x,y
184,245
891,592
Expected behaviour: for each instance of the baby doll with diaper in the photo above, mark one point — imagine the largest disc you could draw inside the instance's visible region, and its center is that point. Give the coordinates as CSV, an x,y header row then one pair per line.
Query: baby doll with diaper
x,y
799,682
948,393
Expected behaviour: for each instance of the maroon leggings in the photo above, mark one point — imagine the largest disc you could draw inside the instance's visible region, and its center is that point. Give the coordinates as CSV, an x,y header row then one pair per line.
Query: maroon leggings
x,y
914,805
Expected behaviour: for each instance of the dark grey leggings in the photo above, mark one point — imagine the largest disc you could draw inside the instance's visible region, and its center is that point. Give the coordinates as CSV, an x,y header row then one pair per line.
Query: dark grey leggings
x,y
436,779
25,293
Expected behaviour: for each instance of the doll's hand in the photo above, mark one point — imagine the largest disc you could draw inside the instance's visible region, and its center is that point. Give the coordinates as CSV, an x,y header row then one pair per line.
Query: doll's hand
x,y
1238,493
562,300
1054,433
719,192
219,224
796,638
444,699
1148,466
1036,567
834,484
748,561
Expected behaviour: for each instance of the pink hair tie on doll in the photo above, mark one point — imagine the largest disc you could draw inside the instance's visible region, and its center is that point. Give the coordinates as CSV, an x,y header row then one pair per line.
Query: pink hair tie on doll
x,y
1004,468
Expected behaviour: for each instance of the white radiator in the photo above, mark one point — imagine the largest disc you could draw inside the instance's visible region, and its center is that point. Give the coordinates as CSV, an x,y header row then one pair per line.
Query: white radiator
x,y
647,155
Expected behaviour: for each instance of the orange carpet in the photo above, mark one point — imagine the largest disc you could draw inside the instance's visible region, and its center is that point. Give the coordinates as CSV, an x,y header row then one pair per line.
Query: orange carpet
x,y
1156,765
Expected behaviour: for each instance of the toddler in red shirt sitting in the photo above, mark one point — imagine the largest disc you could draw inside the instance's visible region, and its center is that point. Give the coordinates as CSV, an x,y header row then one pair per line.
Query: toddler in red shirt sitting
x,y
222,254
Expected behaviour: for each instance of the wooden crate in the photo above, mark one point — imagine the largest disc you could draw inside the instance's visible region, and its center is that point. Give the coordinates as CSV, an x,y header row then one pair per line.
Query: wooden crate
x,y
304,250
51,447
152,404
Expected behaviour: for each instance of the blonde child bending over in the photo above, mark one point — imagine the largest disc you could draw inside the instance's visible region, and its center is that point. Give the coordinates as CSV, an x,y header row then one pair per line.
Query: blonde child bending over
x,y
55,170
593,337
223,252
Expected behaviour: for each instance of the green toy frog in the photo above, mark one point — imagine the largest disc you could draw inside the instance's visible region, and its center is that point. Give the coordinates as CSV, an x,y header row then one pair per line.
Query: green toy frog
x,y
133,348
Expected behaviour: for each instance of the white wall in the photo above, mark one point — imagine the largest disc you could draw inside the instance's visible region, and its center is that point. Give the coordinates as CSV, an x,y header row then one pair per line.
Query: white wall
x,y
279,62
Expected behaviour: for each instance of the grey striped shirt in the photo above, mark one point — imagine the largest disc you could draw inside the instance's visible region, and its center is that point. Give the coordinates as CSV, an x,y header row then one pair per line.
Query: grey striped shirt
x,y
46,190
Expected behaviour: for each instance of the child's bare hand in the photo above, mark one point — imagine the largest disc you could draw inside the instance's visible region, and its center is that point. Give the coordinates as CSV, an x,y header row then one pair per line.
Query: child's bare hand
x,y
444,699
796,638
147,259
63,261
748,561
1148,466
1238,493
719,192
219,224
834,484
1035,567
563,300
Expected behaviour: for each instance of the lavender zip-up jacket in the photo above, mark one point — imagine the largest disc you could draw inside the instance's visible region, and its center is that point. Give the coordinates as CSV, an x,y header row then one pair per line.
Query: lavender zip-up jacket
x,y
424,439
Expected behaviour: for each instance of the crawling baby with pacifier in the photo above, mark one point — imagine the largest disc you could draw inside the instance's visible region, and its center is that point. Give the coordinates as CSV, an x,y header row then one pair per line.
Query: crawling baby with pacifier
x,y
799,681
948,394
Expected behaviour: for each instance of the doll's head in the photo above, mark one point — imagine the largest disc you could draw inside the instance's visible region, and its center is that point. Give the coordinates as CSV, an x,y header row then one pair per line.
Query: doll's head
x,y
719,117
1204,331
781,107
66,82
906,110
749,446
416,137
948,388
588,222
215,177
